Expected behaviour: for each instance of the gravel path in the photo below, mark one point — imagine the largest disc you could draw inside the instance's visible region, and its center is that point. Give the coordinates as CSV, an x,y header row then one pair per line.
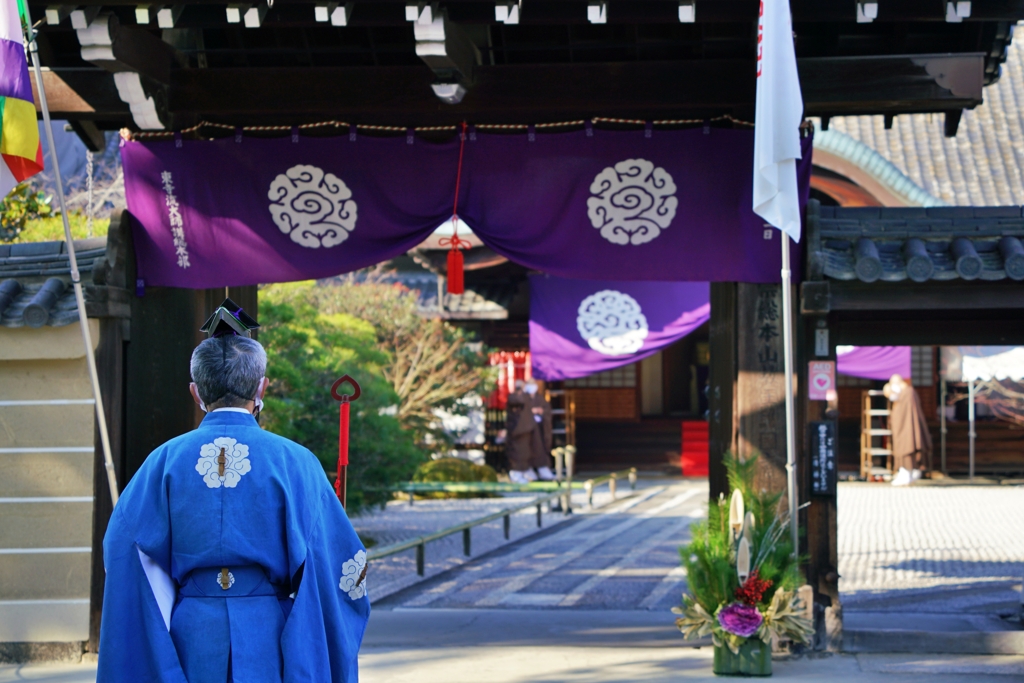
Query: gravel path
x,y
966,539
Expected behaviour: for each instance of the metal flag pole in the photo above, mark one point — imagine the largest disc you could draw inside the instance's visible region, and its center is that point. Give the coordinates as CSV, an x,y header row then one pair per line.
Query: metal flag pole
x,y
76,280
787,354
970,421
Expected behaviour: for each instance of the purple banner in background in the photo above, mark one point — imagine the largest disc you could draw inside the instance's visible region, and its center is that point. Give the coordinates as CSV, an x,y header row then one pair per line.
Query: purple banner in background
x,y
613,205
873,362
580,327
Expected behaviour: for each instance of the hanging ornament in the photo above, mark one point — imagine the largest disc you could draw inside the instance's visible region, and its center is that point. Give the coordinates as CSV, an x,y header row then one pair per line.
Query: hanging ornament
x,y
456,279
340,481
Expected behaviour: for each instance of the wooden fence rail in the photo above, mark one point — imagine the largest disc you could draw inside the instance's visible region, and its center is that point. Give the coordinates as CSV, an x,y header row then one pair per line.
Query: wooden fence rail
x,y
420,542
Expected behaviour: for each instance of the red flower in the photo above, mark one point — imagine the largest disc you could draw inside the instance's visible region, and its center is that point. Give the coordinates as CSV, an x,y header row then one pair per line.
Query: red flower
x,y
753,589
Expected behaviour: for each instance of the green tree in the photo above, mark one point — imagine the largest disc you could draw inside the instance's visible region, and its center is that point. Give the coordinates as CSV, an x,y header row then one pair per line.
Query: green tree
x,y
19,207
51,228
307,350
432,364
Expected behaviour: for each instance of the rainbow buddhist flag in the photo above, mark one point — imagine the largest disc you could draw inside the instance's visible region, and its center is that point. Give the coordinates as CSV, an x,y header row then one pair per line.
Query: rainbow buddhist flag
x,y
19,135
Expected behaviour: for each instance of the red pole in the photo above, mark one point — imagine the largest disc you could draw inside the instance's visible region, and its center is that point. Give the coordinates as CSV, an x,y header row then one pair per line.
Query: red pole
x,y
341,480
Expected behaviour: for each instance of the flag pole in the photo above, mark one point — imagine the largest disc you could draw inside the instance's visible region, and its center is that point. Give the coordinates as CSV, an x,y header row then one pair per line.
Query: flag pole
x,y
76,280
787,354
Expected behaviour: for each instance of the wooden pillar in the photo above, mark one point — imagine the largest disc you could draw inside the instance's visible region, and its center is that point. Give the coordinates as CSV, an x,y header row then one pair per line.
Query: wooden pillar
x,y
722,382
110,366
747,383
760,389
107,299
820,517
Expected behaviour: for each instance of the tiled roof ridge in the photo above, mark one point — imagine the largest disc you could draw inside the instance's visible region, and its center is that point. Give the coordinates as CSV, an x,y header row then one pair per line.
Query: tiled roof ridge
x,y
875,165
35,281
982,166
920,244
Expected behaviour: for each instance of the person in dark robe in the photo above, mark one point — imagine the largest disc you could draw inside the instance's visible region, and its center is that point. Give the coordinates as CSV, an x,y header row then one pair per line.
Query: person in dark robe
x,y
541,409
524,442
911,439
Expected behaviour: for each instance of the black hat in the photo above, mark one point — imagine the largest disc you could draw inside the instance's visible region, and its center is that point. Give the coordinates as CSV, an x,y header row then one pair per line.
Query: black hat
x,y
229,318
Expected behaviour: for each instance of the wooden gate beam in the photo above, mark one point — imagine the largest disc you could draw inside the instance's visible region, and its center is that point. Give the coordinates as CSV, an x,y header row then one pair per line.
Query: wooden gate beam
x,y
529,93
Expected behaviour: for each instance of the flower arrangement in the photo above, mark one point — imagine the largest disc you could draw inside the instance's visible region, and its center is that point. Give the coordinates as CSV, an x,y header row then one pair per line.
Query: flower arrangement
x,y
742,576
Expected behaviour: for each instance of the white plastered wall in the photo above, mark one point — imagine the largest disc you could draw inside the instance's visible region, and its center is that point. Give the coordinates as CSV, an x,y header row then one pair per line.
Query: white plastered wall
x,y
46,487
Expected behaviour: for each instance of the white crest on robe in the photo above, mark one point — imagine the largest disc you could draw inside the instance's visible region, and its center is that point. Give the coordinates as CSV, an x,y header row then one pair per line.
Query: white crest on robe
x,y
236,456
353,581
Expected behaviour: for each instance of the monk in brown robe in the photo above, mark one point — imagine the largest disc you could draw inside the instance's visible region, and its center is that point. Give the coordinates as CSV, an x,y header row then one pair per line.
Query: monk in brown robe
x,y
524,444
541,409
911,440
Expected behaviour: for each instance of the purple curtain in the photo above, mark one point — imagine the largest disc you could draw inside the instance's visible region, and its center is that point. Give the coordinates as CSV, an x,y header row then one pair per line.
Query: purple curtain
x,y
579,327
874,362
597,204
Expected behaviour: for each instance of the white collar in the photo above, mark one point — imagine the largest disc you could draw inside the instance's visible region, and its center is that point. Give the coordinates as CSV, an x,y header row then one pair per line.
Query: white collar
x,y
233,410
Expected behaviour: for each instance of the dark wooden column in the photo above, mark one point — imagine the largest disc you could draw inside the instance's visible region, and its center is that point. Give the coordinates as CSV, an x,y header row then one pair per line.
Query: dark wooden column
x,y
820,517
107,300
722,381
110,366
760,391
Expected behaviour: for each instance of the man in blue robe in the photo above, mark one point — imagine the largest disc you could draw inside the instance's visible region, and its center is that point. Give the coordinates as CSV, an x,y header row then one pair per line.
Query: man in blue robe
x,y
228,556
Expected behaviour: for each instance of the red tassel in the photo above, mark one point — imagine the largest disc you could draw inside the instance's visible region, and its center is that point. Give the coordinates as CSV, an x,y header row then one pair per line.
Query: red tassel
x,y
456,282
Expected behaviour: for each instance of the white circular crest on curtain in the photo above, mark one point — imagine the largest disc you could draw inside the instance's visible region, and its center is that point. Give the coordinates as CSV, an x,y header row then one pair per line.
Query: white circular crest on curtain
x,y
632,202
612,323
314,208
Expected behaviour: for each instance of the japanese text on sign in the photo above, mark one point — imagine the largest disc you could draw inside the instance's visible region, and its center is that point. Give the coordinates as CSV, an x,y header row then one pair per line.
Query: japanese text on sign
x,y
823,458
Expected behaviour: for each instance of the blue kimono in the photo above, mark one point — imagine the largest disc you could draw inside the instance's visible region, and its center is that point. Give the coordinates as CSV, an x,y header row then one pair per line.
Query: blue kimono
x,y
229,558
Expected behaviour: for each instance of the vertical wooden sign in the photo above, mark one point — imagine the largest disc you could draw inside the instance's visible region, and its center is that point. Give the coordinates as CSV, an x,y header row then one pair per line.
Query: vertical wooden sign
x,y
822,436
760,389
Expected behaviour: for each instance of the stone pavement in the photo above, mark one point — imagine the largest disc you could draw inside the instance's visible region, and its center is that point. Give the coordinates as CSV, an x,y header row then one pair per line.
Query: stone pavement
x,y
606,646
399,521
936,549
585,646
624,556
587,597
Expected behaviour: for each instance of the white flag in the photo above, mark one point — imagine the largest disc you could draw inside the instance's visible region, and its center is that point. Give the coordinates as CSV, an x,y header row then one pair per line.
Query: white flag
x,y
780,110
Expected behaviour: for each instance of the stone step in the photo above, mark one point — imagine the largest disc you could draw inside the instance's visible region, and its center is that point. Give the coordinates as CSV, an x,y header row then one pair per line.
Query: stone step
x,y
921,642
920,633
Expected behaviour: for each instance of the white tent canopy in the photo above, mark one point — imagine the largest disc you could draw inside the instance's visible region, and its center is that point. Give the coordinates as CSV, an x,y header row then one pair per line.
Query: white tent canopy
x,y
1005,365
983,363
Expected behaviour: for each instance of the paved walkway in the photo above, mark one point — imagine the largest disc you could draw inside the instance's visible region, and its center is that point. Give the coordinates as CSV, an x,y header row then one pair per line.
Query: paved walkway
x,y
572,664
586,598
399,521
931,548
606,646
624,556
